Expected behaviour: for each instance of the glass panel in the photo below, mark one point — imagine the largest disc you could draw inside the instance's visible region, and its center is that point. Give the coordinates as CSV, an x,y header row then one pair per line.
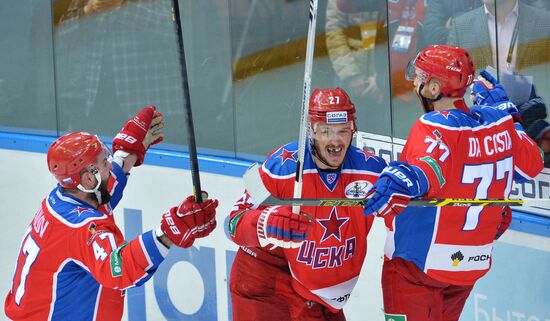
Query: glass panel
x,y
268,60
406,39
523,59
113,60
429,22
357,45
26,71
245,63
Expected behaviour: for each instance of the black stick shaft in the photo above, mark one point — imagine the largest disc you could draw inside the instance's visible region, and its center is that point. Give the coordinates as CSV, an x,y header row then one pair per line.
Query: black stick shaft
x,y
187,104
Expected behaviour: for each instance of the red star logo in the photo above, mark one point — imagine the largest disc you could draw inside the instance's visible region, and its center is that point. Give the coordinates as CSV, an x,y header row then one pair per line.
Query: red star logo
x,y
443,113
285,154
332,225
80,210
365,153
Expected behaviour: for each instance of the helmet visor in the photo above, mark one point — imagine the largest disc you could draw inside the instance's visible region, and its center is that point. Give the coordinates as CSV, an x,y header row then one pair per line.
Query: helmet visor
x,y
413,72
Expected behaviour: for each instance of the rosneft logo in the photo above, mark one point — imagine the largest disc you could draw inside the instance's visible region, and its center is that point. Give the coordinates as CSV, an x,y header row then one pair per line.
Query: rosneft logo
x,y
457,257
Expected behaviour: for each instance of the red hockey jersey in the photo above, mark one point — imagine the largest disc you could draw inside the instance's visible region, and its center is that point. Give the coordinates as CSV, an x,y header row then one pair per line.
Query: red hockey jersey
x,y
74,263
327,265
464,155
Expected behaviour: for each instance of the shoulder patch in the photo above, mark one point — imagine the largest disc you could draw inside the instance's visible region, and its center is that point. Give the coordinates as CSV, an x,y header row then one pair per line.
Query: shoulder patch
x,y
436,168
232,226
116,261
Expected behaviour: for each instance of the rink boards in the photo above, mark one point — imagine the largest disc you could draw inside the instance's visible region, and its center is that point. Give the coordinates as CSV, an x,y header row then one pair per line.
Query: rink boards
x,y
192,284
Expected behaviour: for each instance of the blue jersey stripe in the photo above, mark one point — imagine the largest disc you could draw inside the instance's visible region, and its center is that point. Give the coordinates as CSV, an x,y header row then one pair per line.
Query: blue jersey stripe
x,y
72,282
414,233
151,249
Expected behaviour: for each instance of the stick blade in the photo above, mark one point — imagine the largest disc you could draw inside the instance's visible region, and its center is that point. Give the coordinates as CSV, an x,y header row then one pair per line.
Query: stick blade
x,y
255,186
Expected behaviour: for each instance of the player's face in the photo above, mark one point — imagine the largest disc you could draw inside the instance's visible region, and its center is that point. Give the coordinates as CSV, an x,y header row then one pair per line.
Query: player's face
x,y
332,142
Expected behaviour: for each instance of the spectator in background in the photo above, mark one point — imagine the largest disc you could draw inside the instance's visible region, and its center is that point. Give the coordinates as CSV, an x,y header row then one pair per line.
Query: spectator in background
x,y
517,45
115,55
355,35
541,4
533,110
439,14
406,21
534,113
356,41
539,131
522,31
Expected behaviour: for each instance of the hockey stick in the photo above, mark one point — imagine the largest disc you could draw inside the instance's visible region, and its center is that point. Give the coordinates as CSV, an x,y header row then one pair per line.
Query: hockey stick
x,y
310,48
260,195
197,191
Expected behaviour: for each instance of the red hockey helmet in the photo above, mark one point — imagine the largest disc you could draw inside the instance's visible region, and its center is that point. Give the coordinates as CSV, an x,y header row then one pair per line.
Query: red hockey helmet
x,y
331,106
72,153
451,65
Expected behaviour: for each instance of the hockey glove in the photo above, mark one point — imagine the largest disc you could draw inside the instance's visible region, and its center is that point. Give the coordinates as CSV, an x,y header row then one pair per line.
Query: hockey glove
x,y
183,224
505,221
397,184
278,226
140,132
489,92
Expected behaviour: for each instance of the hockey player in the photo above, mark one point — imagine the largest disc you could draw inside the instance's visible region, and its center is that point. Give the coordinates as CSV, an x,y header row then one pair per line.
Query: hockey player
x,y
436,254
304,266
74,263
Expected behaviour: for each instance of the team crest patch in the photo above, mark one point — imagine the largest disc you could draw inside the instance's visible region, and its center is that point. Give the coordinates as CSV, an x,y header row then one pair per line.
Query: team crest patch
x,y
337,117
331,177
358,189
94,234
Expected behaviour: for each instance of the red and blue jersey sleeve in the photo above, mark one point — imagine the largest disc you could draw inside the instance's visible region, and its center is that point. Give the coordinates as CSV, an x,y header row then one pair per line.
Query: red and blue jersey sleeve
x,y
112,261
246,211
427,149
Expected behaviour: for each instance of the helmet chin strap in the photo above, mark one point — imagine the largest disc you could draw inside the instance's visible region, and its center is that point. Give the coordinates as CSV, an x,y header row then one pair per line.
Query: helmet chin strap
x,y
427,103
95,190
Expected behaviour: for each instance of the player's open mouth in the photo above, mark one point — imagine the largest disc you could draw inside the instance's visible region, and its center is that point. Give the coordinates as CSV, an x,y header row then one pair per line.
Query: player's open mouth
x,y
334,151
